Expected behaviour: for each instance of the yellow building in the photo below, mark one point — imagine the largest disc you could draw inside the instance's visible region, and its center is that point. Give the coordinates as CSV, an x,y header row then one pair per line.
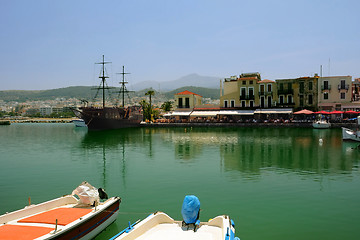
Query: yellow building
x,y
267,93
187,100
241,92
298,93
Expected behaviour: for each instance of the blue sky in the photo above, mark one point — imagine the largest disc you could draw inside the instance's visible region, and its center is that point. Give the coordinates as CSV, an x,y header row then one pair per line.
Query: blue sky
x,y
53,44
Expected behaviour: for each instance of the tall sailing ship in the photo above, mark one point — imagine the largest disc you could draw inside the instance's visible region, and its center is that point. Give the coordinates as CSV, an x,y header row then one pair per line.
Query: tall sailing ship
x,y
101,118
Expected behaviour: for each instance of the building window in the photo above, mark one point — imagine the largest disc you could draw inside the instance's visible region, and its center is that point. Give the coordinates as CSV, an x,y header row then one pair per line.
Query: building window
x,y
251,92
269,88
301,87
232,103
187,102
251,82
310,86
281,99
342,95
342,84
269,100
326,95
243,92
281,87
310,99
244,83
243,104
262,102
301,100
180,102
251,104
326,86
289,86
226,103
289,99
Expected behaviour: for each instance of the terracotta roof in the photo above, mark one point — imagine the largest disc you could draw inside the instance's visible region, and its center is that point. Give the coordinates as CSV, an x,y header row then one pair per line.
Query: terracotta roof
x,y
186,92
267,81
247,78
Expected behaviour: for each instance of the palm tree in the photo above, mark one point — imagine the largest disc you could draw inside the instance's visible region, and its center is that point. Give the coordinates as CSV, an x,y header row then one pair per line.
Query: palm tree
x,y
166,106
150,93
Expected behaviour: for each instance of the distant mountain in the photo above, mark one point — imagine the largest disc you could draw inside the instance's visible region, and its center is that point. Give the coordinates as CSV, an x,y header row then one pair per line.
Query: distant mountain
x,y
189,80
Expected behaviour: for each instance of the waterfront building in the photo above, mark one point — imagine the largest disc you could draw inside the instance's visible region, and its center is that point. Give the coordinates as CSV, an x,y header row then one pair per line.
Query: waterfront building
x,y
356,89
267,93
187,100
298,93
335,92
241,92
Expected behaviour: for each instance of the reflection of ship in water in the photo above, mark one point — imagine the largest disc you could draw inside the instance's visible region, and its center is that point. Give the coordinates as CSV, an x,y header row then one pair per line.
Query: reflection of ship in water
x,y
112,143
104,117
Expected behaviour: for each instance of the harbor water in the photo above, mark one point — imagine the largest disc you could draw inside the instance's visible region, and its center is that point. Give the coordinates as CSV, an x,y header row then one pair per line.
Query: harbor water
x,y
275,183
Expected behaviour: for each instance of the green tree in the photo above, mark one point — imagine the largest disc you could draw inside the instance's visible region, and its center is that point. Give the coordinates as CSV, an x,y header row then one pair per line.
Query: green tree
x,y
146,109
166,106
150,93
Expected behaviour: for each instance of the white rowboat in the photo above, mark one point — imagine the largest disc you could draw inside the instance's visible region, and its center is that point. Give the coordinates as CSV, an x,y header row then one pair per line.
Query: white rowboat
x,y
159,226
66,217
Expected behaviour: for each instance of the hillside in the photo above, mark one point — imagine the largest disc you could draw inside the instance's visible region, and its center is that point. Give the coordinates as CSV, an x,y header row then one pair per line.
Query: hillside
x,y
85,92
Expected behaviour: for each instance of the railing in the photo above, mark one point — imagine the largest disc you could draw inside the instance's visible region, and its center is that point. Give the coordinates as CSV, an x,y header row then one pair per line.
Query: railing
x,y
285,104
247,97
343,87
323,87
267,93
285,91
183,106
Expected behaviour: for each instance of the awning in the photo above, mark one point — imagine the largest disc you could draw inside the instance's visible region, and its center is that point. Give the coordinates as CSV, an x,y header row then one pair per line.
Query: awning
x,y
304,111
274,111
236,112
204,113
180,113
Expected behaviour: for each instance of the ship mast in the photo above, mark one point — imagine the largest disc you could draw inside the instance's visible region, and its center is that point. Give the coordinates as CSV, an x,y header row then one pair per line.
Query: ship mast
x,y
103,78
123,87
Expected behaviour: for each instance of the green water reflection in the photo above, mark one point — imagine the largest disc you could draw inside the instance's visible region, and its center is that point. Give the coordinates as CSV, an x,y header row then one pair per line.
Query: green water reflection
x,y
274,183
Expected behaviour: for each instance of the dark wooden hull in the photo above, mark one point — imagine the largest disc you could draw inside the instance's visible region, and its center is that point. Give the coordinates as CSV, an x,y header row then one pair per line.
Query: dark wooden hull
x,y
98,123
111,118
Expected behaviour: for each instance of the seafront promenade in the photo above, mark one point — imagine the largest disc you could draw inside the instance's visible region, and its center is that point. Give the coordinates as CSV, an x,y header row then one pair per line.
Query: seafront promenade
x,y
201,124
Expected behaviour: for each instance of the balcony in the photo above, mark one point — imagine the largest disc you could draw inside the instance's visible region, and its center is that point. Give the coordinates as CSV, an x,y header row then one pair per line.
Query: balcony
x,y
183,106
343,87
285,104
323,87
285,91
247,97
266,93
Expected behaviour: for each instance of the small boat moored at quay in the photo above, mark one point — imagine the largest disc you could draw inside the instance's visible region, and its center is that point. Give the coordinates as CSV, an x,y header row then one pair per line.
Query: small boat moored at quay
x,y
67,217
160,226
350,135
79,123
321,124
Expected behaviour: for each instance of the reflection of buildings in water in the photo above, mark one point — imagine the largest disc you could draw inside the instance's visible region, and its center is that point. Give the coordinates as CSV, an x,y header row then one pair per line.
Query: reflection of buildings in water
x,y
190,144
296,153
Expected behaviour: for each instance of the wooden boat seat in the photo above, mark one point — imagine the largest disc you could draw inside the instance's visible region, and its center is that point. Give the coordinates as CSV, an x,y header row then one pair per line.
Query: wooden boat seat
x,y
63,215
13,232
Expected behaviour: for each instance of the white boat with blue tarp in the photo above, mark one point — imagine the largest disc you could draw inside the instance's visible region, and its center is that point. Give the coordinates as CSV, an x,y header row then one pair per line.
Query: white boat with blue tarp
x,y
160,226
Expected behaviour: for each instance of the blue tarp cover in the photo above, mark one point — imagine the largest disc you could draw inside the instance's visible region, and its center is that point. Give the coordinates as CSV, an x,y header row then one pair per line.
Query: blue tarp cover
x,y
190,209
